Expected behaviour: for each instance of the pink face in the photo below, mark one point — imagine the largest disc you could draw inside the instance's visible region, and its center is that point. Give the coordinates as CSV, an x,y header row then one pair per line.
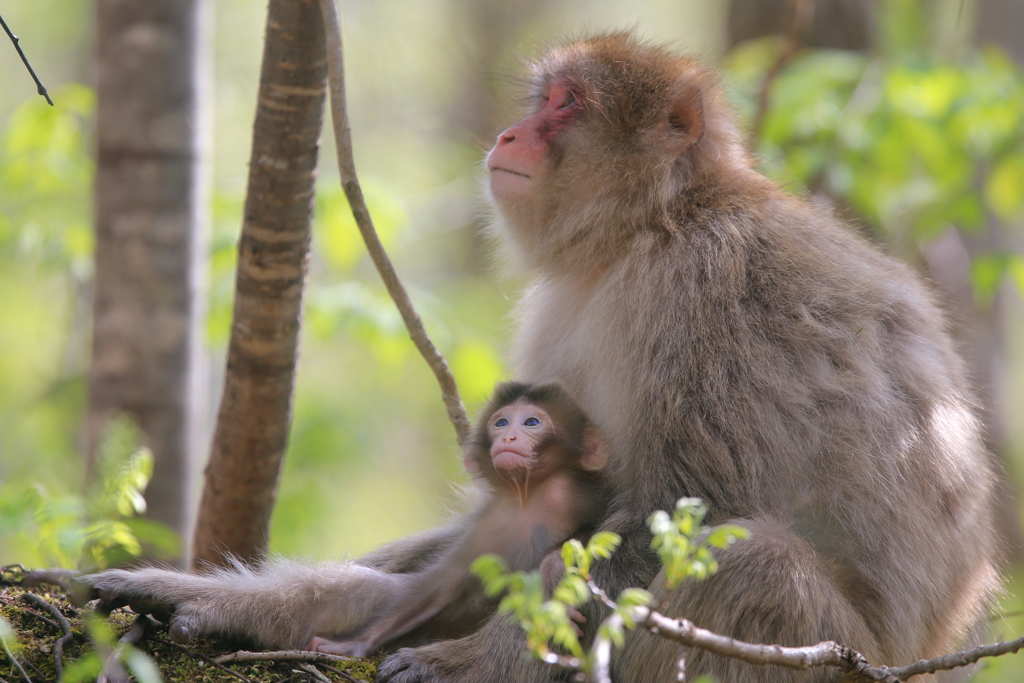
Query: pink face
x,y
516,431
517,161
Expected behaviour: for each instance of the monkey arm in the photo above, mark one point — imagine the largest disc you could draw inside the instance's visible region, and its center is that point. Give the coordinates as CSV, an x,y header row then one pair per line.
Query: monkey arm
x,y
412,554
280,604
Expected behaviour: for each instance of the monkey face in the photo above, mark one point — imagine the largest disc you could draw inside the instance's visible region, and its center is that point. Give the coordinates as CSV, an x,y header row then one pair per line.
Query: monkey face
x,y
519,157
518,432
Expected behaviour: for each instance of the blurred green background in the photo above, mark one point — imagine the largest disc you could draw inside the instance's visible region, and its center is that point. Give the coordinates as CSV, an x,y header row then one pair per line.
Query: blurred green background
x,y
916,138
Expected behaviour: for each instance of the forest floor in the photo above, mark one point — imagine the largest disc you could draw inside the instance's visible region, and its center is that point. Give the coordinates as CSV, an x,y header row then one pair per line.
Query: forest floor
x,y
93,641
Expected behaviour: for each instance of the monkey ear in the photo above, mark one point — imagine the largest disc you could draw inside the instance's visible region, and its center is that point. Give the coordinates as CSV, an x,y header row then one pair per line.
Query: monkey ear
x,y
595,455
686,118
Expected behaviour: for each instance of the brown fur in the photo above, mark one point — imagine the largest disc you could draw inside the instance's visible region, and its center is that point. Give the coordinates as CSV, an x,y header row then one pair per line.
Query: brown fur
x,y
741,346
521,524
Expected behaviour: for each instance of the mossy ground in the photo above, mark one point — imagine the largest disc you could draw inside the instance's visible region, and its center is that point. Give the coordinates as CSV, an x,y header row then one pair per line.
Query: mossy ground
x,y
177,664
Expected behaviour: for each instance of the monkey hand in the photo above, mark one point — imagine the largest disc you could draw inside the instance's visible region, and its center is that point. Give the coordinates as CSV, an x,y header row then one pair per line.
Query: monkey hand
x,y
346,648
169,596
576,619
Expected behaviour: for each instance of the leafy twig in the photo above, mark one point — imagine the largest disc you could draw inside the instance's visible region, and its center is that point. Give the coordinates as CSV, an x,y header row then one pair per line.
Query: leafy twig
x,y
826,653
65,626
40,88
350,183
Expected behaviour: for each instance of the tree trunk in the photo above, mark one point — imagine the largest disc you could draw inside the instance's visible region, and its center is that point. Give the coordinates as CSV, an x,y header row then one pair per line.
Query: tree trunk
x,y
842,24
146,353
255,411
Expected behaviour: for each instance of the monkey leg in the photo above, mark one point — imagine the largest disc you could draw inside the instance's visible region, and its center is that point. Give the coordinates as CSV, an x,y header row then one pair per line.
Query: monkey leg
x,y
280,604
494,654
770,588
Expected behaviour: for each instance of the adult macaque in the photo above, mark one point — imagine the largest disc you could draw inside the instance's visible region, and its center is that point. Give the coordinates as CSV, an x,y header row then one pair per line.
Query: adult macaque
x,y
732,343
534,450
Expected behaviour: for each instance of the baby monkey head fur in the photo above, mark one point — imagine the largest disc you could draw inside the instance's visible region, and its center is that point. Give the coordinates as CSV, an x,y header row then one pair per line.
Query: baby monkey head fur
x,y
565,438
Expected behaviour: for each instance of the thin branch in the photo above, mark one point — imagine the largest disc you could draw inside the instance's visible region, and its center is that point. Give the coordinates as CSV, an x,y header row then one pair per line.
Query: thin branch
x,y
34,613
601,652
14,660
350,183
314,672
112,669
40,88
281,656
54,576
65,626
946,662
344,674
803,13
204,658
827,653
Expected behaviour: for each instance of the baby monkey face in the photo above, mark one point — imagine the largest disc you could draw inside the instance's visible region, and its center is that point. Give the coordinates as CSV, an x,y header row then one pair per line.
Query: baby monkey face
x,y
518,431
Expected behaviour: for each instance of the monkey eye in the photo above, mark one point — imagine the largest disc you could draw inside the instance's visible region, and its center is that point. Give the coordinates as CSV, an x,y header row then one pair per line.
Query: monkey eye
x,y
502,422
559,97
531,422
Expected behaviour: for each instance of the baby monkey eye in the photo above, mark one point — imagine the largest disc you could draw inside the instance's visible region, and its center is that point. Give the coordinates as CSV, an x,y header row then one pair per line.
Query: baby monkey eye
x,y
569,100
531,422
502,422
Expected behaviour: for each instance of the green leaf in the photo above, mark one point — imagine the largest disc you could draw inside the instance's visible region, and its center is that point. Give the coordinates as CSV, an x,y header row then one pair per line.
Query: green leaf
x,y
141,665
337,235
84,669
634,597
603,544
1004,189
9,636
1015,267
987,272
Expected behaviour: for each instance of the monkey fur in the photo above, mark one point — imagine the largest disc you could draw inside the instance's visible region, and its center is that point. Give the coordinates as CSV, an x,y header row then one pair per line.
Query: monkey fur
x,y
732,343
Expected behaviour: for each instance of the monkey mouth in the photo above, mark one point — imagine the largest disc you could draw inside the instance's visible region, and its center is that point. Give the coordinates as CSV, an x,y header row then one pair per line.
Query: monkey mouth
x,y
499,168
505,461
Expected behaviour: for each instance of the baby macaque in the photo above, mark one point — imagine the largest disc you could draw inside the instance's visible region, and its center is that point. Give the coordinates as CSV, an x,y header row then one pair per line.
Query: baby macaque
x,y
536,450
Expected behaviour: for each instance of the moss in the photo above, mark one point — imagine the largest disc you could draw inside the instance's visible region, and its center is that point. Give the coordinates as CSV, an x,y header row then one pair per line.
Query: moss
x,y
177,664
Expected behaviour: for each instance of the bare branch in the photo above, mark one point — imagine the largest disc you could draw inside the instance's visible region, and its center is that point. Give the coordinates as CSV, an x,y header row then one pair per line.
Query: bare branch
x,y
350,183
827,653
281,656
314,672
113,672
14,661
344,674
55,576
40,88
34,613
203,658
945,662
803,13
65,626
